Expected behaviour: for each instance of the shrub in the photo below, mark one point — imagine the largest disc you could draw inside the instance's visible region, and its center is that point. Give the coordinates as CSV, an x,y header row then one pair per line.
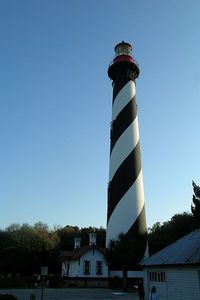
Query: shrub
x,y
7,297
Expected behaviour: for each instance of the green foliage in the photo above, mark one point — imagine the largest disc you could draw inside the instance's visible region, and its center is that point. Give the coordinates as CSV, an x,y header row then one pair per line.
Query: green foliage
x,y
7,297
26,237
67,234
100,232
25,248
195,207
12,282
161,235
123,252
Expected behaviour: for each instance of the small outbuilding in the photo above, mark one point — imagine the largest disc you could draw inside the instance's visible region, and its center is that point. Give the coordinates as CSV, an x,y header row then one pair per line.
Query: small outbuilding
x,y
86,265
175,270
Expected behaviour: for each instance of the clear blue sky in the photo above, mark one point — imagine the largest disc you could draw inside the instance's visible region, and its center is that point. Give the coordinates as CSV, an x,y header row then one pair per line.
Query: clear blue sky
x,y
55,106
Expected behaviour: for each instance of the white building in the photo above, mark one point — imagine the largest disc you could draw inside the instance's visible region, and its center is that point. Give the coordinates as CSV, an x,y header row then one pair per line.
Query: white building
x,y
85,266
175,270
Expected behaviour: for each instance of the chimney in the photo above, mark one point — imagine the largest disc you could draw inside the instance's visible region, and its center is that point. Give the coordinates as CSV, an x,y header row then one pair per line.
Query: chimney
x,y
92,237
77,242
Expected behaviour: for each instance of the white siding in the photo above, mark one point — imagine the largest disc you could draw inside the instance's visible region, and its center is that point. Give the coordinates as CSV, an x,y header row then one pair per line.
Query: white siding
x,y
93,256
161,287
76,266
146,285
73,269
183,284
64,268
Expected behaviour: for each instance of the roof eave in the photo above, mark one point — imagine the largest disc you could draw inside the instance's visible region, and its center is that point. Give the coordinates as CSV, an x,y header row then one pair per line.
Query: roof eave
x,y
171,265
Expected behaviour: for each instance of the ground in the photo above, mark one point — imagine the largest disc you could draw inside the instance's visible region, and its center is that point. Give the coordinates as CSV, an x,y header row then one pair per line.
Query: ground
x,y
71,294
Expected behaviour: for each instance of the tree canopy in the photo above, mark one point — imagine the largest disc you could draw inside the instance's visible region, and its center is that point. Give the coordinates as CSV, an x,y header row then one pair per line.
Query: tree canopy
x,y
25,248
161,235
195,207
123,254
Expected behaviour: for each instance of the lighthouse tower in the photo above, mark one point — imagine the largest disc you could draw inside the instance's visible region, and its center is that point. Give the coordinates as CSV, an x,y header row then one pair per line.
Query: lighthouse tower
x,y
126,210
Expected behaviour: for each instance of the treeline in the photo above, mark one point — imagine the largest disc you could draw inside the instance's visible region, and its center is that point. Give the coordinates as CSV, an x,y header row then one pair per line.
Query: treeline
x,y
161,235
25,248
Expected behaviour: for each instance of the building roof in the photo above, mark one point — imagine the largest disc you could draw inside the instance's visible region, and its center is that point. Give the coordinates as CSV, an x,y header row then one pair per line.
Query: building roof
x,y
185,251
77,253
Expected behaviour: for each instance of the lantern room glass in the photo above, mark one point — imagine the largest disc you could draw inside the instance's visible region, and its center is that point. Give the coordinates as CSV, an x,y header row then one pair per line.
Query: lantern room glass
x,y
123,49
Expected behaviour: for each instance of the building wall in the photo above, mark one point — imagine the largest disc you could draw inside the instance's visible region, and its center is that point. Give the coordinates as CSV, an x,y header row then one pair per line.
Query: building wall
x,y
93,256
70,268
64,268
183,284
73,268
179,283
159,283
76,268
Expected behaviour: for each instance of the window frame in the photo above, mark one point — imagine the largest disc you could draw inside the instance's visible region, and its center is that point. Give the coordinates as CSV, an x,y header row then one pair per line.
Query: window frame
x,y
157,276
99,267
86,267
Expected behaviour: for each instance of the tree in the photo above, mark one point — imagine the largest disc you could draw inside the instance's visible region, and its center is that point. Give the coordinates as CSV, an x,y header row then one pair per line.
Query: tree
x,y
195,207
123,253
66,235
24,248
161,235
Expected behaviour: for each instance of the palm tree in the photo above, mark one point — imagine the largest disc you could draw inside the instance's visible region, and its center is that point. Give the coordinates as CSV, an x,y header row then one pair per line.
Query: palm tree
x,y
123,254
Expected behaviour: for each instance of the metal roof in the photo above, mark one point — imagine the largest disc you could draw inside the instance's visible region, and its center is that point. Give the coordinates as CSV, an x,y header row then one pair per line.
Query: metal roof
x,y
184,251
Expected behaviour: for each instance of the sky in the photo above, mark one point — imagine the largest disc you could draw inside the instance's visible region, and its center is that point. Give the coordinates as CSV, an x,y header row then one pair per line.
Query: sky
x,y
55,106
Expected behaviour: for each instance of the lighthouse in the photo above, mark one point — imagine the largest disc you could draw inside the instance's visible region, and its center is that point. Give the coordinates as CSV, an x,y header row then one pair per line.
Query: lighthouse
x,y
126,209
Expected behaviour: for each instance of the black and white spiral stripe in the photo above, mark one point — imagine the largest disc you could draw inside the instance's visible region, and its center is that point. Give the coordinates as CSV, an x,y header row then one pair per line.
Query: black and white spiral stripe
x,y
126,213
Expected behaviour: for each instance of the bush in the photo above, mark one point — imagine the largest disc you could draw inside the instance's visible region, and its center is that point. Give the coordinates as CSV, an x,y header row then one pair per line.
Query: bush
x,y
17,282
7,297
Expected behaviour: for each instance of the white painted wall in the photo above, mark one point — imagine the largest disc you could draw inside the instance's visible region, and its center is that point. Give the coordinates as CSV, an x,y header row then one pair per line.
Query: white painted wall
x,y
183,284
180,284
93,255
76,266
64,268
161,287
73,268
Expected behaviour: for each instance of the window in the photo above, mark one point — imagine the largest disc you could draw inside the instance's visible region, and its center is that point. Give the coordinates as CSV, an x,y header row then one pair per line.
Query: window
x,y
98,267
86,267
157,276
162,274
